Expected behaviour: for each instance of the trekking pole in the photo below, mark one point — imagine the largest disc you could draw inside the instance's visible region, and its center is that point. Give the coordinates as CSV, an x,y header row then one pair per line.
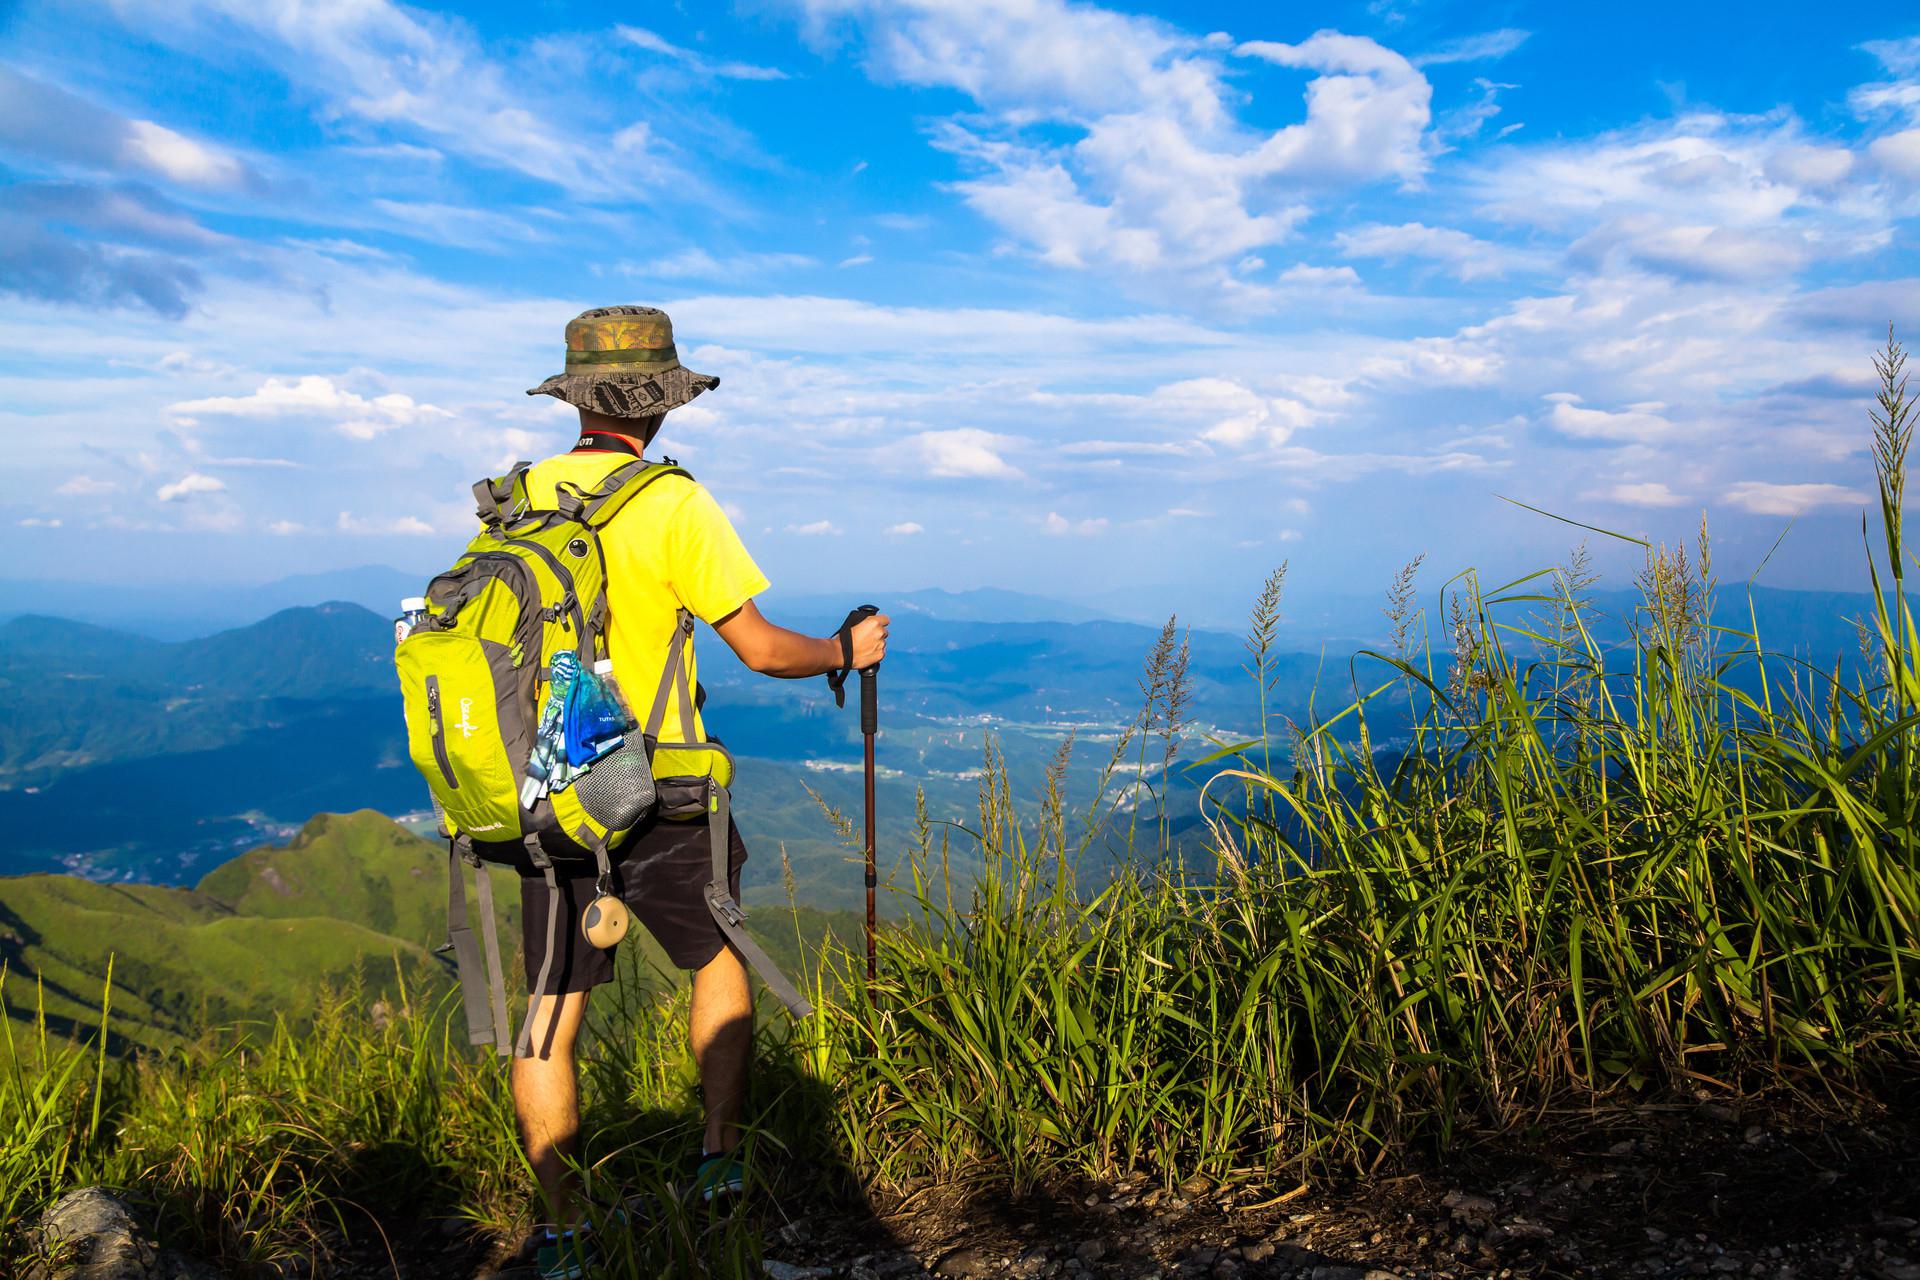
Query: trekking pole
x,y
869,726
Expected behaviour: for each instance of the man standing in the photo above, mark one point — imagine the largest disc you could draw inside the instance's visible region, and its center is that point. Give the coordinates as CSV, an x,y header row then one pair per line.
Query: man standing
x,y
670,548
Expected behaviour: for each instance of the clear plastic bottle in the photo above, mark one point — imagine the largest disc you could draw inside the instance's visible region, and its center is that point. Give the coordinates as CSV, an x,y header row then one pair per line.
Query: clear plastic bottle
x,y
413,611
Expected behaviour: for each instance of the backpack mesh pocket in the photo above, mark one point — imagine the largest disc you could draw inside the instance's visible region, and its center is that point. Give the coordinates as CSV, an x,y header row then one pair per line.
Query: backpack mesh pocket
x,y
618,791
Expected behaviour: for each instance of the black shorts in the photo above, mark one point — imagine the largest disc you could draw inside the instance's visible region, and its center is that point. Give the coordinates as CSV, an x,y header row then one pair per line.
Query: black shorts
x,y
662,874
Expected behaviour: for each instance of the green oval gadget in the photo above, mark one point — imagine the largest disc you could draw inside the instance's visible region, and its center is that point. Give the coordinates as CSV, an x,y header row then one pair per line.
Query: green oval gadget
x,y
605,921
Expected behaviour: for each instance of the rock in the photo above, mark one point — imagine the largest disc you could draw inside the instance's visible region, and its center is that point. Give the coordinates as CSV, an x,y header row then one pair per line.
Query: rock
x,y
1518,1229
1089,1250
1475,1211
777,1270
92,1234
1895,1269
964,1261
1259,1251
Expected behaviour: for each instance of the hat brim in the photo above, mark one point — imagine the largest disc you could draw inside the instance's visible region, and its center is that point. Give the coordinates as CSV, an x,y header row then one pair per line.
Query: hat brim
x,y
624,393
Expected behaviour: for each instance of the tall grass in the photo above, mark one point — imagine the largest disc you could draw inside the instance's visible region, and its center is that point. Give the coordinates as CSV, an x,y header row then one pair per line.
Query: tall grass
x,y
272,1149
1589,872
1581,871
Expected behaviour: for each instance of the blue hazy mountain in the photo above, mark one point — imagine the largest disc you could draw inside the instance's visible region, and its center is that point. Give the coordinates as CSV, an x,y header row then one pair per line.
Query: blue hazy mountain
x,y
170,613
174,613
986,604
127,757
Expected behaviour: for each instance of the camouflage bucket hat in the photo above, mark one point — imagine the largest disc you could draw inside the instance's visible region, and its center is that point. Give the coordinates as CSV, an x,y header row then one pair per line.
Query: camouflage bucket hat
x,y
621,362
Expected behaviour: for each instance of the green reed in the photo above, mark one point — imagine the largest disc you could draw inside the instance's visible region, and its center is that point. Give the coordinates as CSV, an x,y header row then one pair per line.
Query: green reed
x,y
1584,872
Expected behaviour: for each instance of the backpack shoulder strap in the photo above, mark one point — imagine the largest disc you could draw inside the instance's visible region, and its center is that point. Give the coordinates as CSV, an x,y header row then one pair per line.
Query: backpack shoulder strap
x,y
602,503
496,497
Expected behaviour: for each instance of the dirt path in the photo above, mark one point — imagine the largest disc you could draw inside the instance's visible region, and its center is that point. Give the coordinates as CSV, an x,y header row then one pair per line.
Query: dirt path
x,y
1679,1190
1700,1190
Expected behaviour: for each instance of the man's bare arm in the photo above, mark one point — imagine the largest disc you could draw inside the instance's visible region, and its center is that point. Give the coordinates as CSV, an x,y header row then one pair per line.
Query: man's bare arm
x,y
775,651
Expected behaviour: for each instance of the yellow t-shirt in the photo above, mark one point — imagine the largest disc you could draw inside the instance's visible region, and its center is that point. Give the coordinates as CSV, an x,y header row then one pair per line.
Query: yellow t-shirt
x,y
671,547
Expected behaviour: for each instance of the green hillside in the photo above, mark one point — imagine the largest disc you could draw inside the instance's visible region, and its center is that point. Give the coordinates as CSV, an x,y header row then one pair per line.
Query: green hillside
x,y
351,897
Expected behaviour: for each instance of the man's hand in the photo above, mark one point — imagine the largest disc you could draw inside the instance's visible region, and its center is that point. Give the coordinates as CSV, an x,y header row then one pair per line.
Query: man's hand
x,y
869,638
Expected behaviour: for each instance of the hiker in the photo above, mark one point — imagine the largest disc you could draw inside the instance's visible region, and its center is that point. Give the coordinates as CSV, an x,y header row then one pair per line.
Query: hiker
x,y
670,549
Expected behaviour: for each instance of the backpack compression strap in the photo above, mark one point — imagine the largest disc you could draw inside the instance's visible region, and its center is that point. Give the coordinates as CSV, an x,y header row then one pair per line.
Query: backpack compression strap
x,y
673,678
485,998
727,912
494,499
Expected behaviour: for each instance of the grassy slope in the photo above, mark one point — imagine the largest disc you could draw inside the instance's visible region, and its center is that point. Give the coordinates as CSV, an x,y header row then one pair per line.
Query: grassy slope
x,y
346,898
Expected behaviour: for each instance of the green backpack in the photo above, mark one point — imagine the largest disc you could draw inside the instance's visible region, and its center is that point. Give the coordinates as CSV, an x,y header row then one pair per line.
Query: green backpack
x,y
473,677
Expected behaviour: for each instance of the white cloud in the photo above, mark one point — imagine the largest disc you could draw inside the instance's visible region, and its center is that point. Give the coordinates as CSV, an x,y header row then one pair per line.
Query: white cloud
x,y
1638,423
1899,97
173,155
1475,48
188,485
355,415
1651,493
1810,166
1902,57
283,528
694,62
1365,112
1898,154
1467,257
698,264
1321,277
963,453
44,120
400,70
1767,499
1230,413
41,522
906,528
1694,251
1059,526
815,529
1705,196
1156,173
410,525
85,486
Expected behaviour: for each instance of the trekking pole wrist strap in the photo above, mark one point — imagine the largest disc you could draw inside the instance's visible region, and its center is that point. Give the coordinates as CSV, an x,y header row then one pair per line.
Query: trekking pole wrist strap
x,y
837,678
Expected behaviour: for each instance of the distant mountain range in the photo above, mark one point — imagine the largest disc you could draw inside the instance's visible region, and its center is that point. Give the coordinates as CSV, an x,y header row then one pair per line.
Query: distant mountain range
x,y
352,897
171,613
124,757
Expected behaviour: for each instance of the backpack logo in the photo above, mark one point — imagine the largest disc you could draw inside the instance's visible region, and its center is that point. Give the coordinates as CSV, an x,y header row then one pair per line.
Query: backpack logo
x,y
464,724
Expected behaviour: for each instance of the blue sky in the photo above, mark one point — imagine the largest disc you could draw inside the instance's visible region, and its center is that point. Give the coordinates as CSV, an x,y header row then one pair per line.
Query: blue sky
x,y
1066,298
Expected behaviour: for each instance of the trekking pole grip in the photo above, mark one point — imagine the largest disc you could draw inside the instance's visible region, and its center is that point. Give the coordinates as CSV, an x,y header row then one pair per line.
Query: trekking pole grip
x,y
869,681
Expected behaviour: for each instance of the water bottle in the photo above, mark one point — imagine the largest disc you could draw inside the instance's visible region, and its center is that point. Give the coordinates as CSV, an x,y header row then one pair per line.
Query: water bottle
x,y
413,611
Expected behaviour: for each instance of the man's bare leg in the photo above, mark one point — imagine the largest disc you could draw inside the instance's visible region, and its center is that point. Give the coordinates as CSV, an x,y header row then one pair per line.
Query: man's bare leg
x,y
720,1025
546,1101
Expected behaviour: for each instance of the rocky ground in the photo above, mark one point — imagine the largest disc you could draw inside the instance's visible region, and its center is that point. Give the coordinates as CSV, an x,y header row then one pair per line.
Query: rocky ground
x,y
1675,1190
1680,1190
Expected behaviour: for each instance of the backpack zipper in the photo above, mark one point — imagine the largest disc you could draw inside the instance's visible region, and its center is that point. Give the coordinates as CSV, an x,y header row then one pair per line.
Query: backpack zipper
x,y
570,599
439,732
